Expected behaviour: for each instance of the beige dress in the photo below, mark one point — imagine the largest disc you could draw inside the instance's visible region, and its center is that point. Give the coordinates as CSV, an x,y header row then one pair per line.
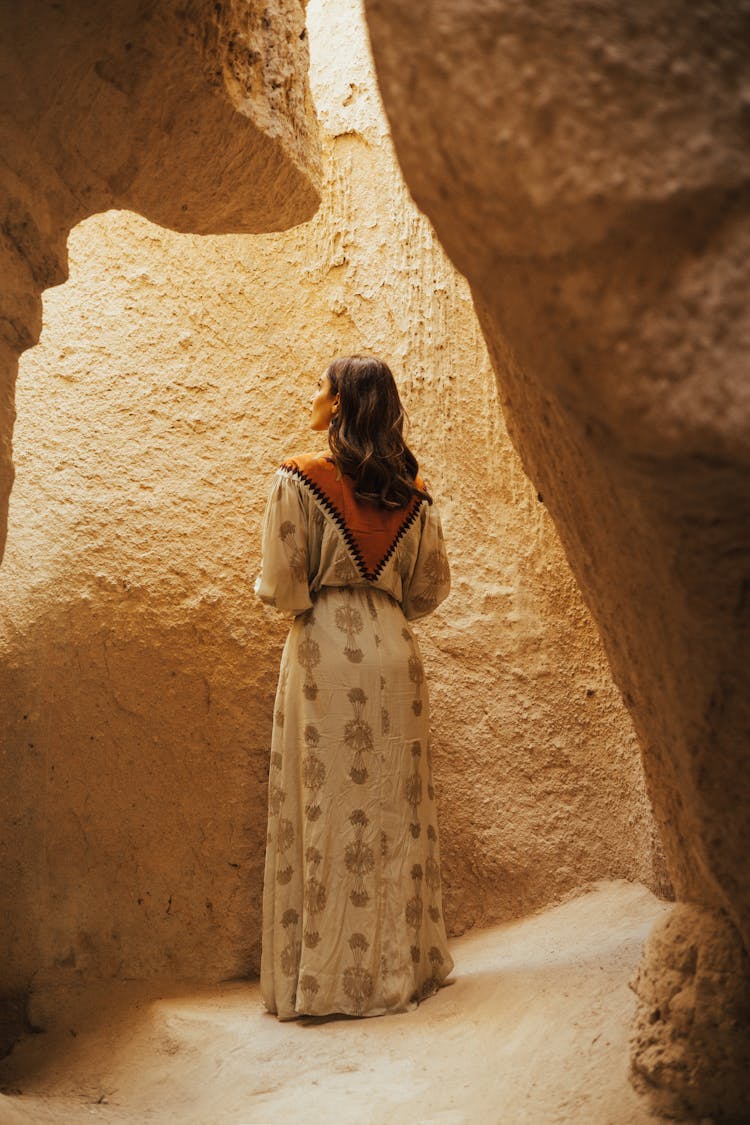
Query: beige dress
x,y
352,909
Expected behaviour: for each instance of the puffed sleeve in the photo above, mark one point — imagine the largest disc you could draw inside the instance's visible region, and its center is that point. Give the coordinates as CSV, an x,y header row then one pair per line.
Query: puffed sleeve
x,y
283,582
430,581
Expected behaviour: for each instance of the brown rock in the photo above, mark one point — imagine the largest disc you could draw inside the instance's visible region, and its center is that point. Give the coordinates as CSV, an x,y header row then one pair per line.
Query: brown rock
x,y
690,1041
587,169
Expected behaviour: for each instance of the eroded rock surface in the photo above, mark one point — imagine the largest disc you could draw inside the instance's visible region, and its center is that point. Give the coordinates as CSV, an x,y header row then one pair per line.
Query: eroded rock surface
x,y
691,1037
196,115
173,375
588,170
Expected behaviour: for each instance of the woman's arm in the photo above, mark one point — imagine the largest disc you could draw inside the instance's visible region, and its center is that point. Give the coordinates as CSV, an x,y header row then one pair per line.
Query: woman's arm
x,y
283,580
430,581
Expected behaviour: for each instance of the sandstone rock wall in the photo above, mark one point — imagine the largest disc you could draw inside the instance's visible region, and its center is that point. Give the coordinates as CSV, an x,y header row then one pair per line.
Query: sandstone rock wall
x,y
173,374
587,168
196,114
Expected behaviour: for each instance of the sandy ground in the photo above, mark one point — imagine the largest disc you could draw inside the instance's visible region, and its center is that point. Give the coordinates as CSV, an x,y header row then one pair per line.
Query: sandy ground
x,y
533,1030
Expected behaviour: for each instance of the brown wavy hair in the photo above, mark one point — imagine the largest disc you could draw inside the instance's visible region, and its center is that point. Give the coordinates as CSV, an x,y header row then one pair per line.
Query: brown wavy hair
x,y
366,434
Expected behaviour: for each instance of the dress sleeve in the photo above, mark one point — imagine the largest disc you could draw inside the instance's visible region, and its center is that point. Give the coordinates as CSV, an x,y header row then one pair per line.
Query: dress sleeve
x,y
283,581
430,581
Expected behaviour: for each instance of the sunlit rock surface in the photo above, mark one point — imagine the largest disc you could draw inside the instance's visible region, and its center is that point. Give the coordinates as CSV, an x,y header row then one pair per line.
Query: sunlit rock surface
x,y
174,373
197,115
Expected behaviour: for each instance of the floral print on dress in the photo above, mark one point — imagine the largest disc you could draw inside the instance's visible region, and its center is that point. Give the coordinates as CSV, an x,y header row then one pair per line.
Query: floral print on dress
x,y
359,859
278,715
308,654
432,983
315,897
358,981
358,736
416,671
349,621
432,867
313,772
414,912
436,574
284,841
416,675
413,790
295,555
344,569
291,950
309,986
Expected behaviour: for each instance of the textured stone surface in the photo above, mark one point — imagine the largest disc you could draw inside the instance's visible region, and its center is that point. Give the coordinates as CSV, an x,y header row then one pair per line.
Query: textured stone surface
x,y
691,1036
119,105
174,373
587,168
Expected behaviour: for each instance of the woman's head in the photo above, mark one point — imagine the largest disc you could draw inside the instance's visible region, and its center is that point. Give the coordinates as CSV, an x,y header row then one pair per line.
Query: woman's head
x,y
359,401
366,393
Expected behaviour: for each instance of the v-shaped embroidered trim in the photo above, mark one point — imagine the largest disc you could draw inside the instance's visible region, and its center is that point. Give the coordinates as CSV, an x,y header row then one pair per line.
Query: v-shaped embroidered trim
x,y
370,545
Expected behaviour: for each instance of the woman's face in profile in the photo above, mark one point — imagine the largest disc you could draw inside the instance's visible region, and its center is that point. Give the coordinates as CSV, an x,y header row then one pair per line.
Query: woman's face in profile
x,y
323,403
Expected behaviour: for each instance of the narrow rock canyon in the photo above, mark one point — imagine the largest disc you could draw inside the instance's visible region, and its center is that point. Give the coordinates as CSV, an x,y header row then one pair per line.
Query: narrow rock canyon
x,y
220,183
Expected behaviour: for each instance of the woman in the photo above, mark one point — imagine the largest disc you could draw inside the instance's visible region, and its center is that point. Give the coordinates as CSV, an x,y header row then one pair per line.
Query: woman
x,y
352,545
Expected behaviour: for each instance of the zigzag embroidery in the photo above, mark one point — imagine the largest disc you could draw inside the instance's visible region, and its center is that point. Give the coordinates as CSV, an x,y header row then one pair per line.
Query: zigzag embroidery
x,y
330,509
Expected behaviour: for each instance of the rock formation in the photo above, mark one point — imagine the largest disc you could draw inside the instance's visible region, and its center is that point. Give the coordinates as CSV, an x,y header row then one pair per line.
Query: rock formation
x,y
693,989
586,167
197,115
173,374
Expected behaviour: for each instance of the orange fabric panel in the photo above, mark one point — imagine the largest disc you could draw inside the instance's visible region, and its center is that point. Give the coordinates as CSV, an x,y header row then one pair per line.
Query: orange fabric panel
x,y
371,533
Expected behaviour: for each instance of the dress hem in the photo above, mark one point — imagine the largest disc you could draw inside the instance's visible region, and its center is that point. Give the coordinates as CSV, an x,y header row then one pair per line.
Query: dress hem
x,y
301,1012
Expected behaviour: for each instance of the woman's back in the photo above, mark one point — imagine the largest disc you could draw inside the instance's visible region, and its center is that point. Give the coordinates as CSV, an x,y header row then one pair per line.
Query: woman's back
x,y
312,513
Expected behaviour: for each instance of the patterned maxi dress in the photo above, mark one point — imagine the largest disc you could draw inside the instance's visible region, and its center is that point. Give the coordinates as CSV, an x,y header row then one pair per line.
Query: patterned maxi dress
x,y
352,910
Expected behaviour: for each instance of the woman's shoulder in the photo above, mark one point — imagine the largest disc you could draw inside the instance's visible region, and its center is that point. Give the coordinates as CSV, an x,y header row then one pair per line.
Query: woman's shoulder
x,y
307,462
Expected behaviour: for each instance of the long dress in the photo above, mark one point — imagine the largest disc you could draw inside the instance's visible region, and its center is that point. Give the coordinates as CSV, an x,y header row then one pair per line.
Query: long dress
x,y
352,908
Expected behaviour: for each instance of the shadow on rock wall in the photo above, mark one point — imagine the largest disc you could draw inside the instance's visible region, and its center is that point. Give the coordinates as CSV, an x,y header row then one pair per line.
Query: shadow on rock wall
x,y
145,743
587,168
